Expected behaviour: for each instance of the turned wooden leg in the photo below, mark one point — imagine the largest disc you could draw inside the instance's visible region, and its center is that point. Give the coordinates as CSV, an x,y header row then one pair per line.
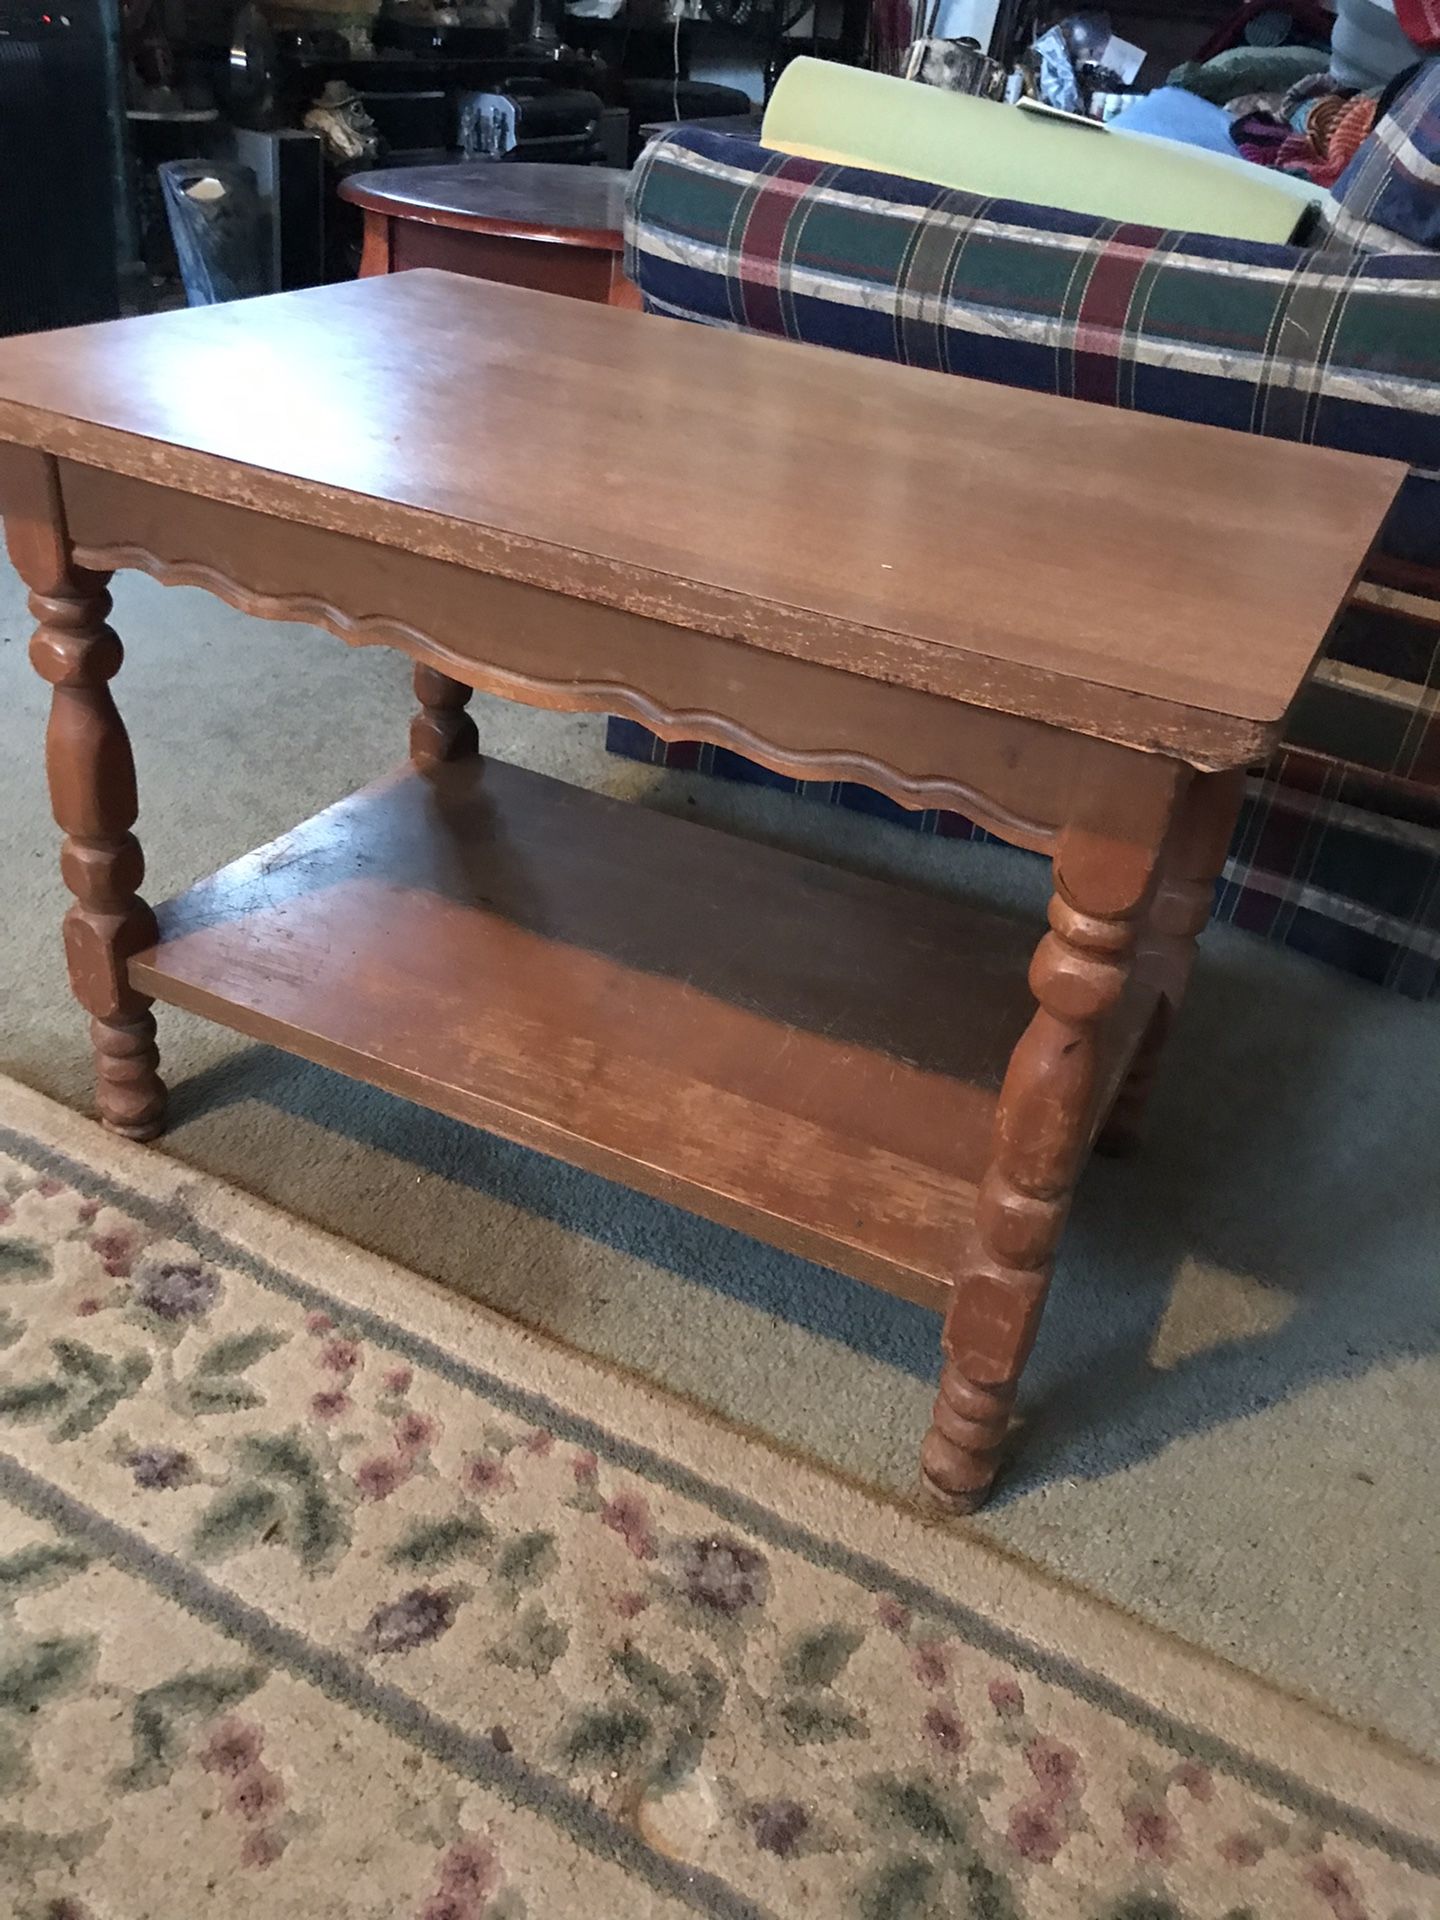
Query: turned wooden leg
x,y
92,792
1043,1127
1177,915
441,730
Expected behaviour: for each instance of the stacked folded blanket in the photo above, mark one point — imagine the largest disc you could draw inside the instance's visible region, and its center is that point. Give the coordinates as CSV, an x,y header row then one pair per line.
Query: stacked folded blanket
x,y
1313,131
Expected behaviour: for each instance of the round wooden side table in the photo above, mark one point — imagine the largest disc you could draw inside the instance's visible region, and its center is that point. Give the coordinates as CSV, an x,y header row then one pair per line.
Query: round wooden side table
x,y
526,223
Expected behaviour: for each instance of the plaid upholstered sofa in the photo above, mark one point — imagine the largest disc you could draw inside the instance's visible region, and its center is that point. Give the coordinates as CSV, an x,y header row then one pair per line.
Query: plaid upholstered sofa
x,y
1338,850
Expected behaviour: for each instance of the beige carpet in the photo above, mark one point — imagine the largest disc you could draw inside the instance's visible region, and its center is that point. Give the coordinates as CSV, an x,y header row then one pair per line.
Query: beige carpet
x,y
327,1593
1234,1411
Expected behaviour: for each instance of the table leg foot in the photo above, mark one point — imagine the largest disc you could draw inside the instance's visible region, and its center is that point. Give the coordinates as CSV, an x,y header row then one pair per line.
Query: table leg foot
x,y
441,730
128,1089
962,1450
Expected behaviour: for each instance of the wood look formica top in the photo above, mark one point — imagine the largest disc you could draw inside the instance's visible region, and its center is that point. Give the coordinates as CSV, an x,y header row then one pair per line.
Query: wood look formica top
x,y
1163,585
525,199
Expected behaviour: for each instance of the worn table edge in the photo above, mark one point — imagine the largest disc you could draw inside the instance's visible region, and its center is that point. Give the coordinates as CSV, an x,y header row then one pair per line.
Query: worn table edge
x,y
1199,736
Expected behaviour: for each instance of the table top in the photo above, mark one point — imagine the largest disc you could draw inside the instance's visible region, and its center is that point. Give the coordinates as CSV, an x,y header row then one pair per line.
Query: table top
x,y
1151,582
524,199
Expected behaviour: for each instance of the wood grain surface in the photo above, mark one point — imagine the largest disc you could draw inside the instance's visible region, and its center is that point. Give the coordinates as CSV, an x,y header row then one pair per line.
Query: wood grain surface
x,y
1158,584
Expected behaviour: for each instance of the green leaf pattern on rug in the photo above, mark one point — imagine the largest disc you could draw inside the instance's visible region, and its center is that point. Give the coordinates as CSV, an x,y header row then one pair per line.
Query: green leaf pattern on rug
x,y
281,1495
33,1672
534,1643
216,1384
687,1709
524,1562
439,1543
237,1518
900,1890
27,1400
23,1260
731,1703
604,1738
84,1391
164,1716
810,1665
45,1563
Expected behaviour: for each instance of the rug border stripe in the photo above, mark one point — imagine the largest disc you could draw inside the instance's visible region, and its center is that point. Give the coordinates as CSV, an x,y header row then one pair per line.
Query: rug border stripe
x,y
471,1755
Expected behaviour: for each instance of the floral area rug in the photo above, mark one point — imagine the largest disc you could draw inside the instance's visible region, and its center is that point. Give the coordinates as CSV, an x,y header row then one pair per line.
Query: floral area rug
x,y
325,1593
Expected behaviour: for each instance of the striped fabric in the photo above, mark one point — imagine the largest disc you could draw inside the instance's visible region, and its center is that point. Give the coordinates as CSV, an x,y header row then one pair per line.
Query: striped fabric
x,y
1339,851
1389,195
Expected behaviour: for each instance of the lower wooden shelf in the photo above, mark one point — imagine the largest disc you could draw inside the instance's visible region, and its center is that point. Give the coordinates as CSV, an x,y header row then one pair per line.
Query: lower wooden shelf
x,y
782,1046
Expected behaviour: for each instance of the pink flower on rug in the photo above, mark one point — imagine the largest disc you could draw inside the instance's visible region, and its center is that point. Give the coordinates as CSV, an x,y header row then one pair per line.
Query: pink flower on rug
x,y
944,1731
48,1188
255,1794
319,1323
448,1906
262,1848
399,1379
1154,1832
891,1615
1196,1780
1336,1889
116,1252
930,1664
329,1405
486,1473
86,1213
470,1870
778,1825
7,1213
1241,1849
378,1478
628,1515
232,1746
1006,1698
415,1432
539,1441
586,1469
628,1605
1056,1769
1035,1833
339,1355
87,1305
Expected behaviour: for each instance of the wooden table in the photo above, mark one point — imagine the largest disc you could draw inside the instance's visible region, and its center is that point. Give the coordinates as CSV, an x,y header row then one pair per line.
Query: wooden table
x,y
525,223
1077,625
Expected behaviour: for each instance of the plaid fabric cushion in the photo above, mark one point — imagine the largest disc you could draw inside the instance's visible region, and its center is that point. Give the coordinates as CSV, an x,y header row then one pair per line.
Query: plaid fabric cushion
x,y
1338,854
1340,350
1389,195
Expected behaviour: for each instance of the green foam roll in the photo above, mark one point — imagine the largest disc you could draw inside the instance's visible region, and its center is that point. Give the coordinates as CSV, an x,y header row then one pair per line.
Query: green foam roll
x,y
844,114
